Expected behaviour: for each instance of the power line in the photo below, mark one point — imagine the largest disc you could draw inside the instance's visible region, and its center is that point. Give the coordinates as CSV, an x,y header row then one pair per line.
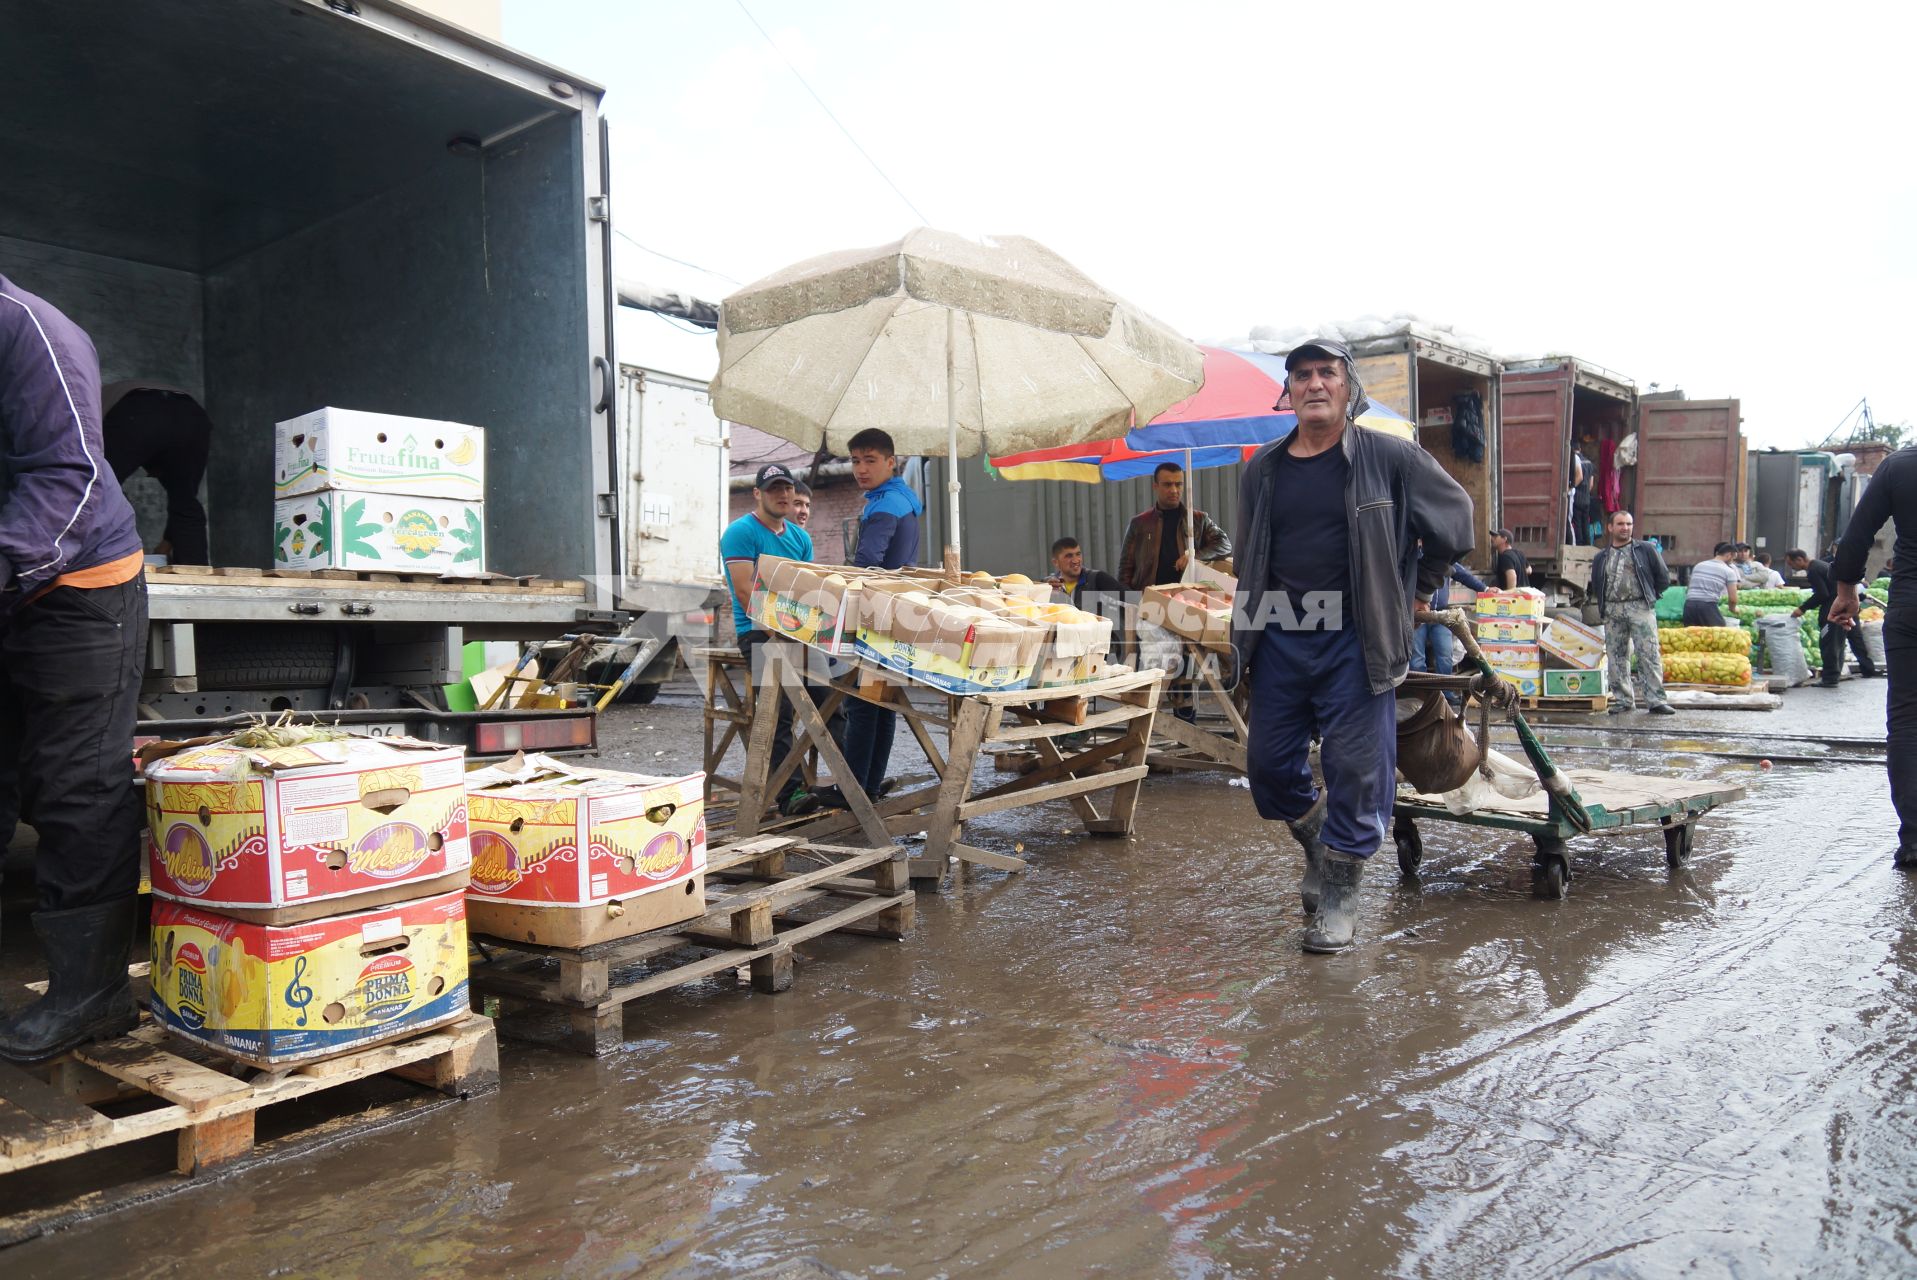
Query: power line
x,y
835,120
669,258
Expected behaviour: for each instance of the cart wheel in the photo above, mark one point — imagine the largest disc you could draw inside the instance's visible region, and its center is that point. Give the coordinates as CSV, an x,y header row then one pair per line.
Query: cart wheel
x,y
1677,842
1550,868
1410,847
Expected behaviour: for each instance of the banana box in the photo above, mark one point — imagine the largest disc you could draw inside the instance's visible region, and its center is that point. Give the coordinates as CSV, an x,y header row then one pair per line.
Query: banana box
x,y
1525,602
275,994
398,533
550,835
285,833
1492,629
809,603
378,453
1569,645
1529,680
947,644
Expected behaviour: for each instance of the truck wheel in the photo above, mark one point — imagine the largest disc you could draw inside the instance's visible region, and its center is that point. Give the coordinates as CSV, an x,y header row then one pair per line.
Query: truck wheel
x,y
640,694
264,656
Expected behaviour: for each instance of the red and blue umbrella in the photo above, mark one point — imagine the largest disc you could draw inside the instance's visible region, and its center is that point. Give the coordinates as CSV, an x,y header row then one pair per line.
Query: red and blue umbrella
x,y
1231,415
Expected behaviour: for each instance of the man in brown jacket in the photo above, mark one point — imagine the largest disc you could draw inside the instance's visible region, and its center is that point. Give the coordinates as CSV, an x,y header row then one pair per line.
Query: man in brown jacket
x,y
1155,548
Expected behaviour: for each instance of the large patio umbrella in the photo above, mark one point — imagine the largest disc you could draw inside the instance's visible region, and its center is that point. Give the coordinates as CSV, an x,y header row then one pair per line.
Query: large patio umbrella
x,y
950,345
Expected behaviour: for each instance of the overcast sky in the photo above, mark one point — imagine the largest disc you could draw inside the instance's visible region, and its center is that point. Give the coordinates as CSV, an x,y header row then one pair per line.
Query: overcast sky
x,y
1705,196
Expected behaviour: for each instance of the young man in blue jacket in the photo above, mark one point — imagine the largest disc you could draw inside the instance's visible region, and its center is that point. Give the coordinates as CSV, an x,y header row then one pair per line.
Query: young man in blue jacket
x,y
72,647
888,539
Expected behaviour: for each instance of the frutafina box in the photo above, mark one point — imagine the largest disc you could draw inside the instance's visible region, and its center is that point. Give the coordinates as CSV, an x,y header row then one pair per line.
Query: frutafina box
x,y
1494,629
813,604
280,834
275,994
378,453
1574,684
399,533
556,844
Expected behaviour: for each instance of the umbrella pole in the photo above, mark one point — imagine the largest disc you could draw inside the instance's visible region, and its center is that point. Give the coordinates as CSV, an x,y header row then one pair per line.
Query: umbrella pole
x,y
1191,521
952,485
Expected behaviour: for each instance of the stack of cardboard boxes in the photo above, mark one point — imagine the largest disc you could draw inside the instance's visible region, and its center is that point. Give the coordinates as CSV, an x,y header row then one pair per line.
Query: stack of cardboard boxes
x,y
310,898
1573,658
1509,625
354,490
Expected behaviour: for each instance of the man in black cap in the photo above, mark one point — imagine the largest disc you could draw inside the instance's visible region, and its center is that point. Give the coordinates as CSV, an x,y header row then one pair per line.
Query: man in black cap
x,y
1339,528
1891,495
1509,567
766,531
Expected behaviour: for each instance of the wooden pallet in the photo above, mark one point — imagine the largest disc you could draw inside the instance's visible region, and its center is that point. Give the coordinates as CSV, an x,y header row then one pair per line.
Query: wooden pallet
x,y
1538,702
149,1084
758,909
335,579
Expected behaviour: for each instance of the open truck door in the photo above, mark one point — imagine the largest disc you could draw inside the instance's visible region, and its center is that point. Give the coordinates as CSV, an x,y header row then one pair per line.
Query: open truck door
x,y
1690,472
1535,464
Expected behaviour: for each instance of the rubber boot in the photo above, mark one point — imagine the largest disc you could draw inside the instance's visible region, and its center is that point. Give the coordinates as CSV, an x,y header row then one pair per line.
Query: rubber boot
x,y
1904,858
1337,919
1306,832
87,993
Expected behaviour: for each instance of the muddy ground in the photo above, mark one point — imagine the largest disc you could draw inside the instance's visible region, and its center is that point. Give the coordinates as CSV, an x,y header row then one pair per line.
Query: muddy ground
x,y
1118,1063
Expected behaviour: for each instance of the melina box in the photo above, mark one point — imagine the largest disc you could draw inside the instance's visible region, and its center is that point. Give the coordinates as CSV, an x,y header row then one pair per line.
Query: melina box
x,y
280,834
399,533
1525,602
378,453
269,995
556,845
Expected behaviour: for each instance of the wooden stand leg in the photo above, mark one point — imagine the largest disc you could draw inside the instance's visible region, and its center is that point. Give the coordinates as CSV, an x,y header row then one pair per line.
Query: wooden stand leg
x,y
972,722
594,1031
773,973
203,1146
468,1069
584,981
758,761
894,876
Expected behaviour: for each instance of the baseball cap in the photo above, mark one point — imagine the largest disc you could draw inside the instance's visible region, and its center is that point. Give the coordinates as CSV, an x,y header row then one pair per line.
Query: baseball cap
x,y
773,473
1317,346
1502,533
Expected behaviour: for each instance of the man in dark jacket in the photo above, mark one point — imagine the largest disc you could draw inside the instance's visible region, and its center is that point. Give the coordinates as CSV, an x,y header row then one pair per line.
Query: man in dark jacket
x,y
73,640
1890,495
1082,588
888,539
1156,550
1339,529
1831,639
1627,577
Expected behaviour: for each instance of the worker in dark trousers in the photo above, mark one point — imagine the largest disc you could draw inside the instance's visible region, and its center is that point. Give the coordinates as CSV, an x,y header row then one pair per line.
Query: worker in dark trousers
x,y
162,430
1831,638
1339,530
73,639
1891,495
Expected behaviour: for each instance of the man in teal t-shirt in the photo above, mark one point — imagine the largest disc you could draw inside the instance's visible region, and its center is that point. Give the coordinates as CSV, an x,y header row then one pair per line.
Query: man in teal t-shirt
x,y
765,531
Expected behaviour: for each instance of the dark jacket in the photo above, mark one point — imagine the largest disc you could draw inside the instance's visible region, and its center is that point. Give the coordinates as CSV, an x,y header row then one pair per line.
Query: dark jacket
x,y
1653,576
60,508
889,527
1138,562
1397,496
1823,589
1096,581
1441,598
1890,495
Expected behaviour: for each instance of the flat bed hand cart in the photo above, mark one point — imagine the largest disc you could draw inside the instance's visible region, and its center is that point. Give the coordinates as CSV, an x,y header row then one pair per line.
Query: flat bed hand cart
x,y
1572,802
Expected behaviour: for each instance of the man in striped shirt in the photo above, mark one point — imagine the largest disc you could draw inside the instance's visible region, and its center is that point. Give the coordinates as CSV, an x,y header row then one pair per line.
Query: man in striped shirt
x,y
72,643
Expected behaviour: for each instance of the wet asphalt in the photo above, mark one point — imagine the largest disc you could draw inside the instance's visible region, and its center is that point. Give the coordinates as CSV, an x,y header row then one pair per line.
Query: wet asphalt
x,y
1119,1063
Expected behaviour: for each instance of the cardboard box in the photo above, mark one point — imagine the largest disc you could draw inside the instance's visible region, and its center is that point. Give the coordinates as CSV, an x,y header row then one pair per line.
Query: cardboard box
x,y
1525,602
1513,657
378,453
813,604
289,833
351,529
1574,684
1196,612
946,644
643,842
1569,645
1493,629
1529,680
1056,672
275,994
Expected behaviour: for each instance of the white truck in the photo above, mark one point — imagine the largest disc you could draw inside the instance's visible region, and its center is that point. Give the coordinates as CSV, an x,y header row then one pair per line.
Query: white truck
x,y
280,205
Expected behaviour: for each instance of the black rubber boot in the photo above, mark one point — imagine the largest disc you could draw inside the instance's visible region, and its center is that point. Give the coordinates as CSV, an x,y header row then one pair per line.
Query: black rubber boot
x,y
1337,919
87,993
1306,831
1904,857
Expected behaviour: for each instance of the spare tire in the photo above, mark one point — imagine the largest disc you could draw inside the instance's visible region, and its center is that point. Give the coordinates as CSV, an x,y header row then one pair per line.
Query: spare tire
x,y
242,656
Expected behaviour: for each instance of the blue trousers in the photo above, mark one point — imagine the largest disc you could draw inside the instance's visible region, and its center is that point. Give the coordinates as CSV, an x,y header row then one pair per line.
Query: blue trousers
x,y
868,742
1306,683
1432,644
